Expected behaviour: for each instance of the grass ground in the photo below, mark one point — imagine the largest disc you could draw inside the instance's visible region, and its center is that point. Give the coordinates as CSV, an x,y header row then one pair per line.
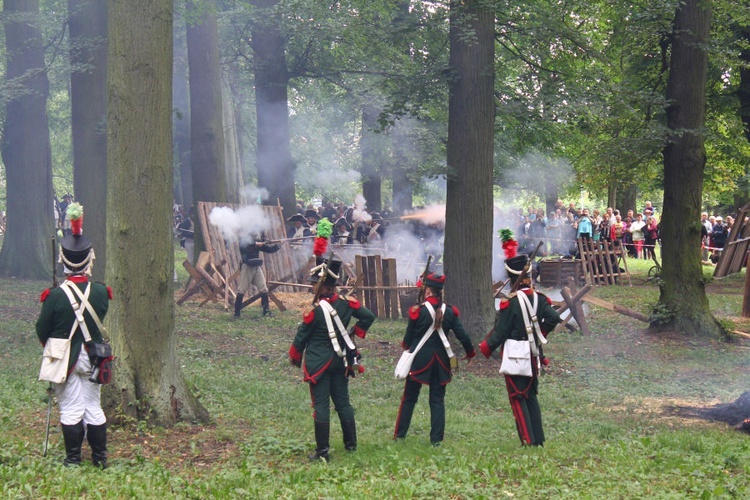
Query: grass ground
x,y
607,403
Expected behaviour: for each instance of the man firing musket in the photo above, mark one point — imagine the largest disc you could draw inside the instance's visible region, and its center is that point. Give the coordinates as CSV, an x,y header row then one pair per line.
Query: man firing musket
x,y
251,273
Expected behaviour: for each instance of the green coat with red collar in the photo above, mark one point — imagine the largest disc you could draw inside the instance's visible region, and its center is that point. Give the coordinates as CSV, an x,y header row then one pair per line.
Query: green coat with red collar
x,y
509,323
57,316
312,335
433,353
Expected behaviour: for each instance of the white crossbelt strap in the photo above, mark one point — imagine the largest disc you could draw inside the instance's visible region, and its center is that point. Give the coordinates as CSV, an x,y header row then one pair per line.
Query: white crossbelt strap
x,y
443,338
78,308
531,321
330,315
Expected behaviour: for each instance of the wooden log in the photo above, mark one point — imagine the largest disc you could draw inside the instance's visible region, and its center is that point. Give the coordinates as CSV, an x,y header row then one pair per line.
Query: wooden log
x,y
574,304
617,308
741,334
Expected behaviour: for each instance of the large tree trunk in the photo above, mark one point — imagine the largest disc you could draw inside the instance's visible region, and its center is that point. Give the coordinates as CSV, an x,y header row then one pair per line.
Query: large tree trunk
x,y
149,383
26,147
683,305
183,185
371,159
274,156
402,172
206,121
471,117
88,89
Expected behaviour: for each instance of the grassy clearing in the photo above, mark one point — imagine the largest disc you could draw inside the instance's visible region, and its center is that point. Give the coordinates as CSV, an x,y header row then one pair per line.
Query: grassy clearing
x,y
605,402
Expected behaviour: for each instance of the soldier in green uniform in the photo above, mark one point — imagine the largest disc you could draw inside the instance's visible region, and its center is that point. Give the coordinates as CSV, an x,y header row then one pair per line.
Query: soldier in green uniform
x,y
431,365
330,359
78,396
510,324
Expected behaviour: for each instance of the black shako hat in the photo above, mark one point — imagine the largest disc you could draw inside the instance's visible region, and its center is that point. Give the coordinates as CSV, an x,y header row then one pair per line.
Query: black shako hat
x,y
330,270
75,249
515,266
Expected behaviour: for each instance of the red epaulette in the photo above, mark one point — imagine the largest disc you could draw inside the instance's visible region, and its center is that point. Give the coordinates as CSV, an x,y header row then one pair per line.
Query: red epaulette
x,y
455,310
44,295
414,312
354,303
308,317
504,304
109,292
549,301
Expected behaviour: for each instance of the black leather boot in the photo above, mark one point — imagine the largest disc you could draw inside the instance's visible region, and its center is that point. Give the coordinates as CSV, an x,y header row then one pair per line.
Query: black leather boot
x,y
97,438
266,306
73,437
349,430
322,433
238,304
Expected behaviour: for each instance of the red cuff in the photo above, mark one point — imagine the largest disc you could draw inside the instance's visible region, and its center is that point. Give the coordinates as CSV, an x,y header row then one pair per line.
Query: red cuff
x,y
485,349
109,293
404,346
294,353
359,332
471,354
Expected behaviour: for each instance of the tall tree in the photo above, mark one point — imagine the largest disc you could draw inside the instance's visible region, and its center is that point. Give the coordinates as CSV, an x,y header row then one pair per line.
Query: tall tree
x,y
206,120
88,96
149,383
274,158
683,305
183,184
26,146
471,110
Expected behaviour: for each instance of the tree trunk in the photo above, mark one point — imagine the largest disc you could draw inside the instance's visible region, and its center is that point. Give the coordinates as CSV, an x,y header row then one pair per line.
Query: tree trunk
x,y
26,147
183,188
273,155
371,159
683,305
206,121
402,170
149,384
88,96
471,117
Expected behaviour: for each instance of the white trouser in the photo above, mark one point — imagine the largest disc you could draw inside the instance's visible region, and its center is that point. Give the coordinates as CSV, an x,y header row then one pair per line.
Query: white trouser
x,y
78,398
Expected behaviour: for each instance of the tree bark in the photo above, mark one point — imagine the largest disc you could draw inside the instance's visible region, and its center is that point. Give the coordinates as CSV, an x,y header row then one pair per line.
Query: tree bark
x,y
273,155
26,147
88,103
183,188
471,118
149,384
683,305
371,160
206,120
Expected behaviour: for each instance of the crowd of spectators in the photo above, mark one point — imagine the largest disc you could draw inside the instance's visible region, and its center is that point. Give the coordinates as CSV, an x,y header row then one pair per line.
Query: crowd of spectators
x,y
638,232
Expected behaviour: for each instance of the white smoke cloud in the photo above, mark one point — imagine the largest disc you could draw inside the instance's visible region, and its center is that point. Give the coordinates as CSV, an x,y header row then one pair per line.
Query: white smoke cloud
x,y
244,224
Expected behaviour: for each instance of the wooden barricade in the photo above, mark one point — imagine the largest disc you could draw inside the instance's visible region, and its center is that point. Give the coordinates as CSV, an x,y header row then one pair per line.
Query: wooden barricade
x,y
222,260
379,289
734,254
601,262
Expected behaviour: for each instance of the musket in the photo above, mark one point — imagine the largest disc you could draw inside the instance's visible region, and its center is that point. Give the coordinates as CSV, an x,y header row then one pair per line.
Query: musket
x,y
354,287
284,240
319,284
422,276
49,388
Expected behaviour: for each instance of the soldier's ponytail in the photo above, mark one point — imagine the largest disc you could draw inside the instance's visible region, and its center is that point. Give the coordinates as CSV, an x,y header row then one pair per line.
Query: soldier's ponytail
x,y
438,294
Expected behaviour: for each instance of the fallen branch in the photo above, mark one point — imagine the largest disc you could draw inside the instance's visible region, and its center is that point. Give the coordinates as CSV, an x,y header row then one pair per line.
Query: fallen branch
x,y
617,308
741,334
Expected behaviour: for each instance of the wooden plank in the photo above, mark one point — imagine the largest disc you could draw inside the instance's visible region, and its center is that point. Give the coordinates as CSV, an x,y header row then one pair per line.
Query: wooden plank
x,y
616,308
378,266
574,305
